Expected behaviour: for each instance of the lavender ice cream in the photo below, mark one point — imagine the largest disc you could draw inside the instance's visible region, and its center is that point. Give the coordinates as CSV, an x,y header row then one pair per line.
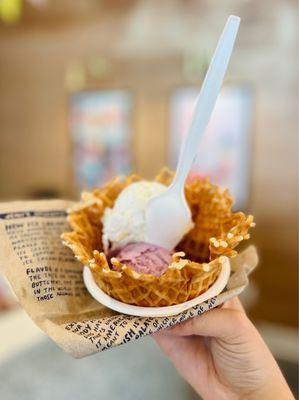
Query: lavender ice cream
x,y
143,258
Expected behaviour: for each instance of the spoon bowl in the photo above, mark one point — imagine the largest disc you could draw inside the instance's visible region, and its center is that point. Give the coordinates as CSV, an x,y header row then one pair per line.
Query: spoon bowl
x,y
170,206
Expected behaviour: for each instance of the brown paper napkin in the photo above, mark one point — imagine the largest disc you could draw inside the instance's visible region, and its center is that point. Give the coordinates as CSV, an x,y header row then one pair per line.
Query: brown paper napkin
x,y
49,285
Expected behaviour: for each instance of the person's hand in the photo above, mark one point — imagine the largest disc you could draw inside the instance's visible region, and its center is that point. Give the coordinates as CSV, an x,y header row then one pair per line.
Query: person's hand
x,y
222,356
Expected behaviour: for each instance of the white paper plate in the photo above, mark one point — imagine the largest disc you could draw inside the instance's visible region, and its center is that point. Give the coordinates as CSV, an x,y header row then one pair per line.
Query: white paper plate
x,y
124,308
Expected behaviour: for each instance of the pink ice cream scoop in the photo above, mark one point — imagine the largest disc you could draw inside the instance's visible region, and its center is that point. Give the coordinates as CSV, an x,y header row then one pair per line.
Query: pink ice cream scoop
x,y
143,258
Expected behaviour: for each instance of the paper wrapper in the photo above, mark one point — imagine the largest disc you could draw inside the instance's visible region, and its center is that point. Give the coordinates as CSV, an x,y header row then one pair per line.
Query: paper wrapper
x,y
48,282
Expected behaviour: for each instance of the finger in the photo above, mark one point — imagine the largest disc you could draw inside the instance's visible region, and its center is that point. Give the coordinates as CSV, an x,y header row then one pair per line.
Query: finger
x,y
219,323
234,304
186,353
171,344
180,348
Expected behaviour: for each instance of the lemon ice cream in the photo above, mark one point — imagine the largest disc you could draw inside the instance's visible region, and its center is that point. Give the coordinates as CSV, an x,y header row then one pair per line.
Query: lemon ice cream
x,y
125,222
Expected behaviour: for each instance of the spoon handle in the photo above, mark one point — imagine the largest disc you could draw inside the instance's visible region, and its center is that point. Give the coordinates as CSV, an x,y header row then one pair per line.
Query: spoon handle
x,y
206,100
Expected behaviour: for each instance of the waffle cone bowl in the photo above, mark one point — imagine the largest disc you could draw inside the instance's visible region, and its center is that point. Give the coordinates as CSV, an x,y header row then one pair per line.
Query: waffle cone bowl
x,y
196,263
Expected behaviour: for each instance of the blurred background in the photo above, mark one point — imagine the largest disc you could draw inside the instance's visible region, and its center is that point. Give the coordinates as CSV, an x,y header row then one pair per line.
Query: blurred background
x,y
90,89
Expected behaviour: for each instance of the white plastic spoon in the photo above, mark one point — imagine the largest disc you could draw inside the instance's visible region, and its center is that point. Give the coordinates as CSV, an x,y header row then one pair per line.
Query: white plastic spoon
x,y
168,217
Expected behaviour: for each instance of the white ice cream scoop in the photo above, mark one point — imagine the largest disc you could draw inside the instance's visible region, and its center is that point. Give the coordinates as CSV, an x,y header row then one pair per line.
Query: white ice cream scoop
x,y
125,222
168,217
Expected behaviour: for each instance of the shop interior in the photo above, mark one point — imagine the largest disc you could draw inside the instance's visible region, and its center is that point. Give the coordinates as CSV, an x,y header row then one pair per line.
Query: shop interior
x,y
94,89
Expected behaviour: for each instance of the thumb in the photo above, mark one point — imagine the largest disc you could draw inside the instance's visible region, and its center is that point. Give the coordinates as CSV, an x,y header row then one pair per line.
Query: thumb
x,y
218,323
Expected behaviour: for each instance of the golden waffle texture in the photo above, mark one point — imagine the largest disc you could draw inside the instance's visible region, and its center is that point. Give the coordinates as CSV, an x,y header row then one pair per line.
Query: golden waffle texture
x,y
199,256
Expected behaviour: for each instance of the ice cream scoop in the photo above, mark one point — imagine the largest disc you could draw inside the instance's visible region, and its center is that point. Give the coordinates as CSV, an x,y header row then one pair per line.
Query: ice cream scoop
x,y
125,222
144,258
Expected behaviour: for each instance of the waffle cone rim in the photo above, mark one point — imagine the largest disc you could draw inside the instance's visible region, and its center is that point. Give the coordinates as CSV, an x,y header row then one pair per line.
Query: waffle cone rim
x,y
179,268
